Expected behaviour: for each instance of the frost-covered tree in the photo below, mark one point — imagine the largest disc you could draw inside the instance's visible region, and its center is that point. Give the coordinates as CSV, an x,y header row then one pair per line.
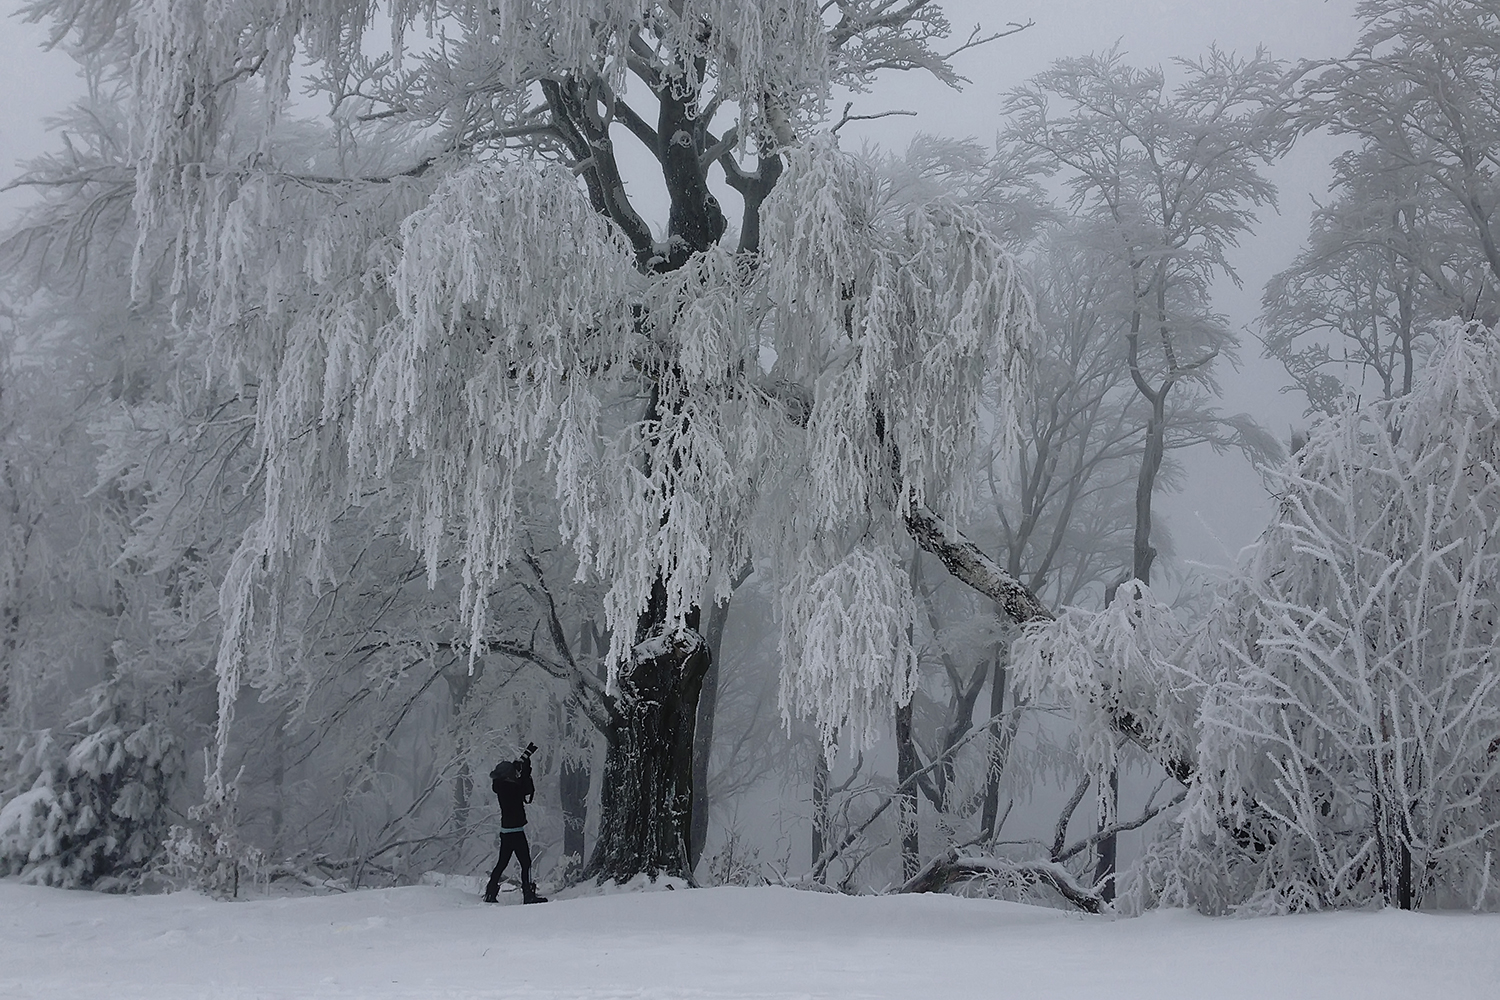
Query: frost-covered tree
x,y
1385,261
94,808
1420,90
110,546
1407,240
449,291
1171,178
1349,747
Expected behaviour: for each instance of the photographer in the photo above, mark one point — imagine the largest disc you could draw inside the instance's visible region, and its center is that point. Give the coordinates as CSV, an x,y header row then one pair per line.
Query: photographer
x,y
511,781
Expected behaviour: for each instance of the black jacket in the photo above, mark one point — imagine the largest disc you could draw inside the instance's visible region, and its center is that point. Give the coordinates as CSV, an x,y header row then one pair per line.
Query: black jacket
x,y
513,796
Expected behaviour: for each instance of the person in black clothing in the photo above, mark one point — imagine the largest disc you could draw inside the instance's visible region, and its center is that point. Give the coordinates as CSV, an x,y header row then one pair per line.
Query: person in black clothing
x,y
513,786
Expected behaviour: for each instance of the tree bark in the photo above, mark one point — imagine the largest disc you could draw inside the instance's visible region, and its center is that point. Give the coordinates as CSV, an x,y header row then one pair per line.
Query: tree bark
x,y
968,562
646,803
906,767
991,809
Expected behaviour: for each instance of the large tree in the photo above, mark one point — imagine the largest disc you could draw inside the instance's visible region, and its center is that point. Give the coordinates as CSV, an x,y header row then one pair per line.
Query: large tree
x,y
448,291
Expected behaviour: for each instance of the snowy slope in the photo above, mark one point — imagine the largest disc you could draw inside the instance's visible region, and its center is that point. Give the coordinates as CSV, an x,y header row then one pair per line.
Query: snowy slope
x,y
435,942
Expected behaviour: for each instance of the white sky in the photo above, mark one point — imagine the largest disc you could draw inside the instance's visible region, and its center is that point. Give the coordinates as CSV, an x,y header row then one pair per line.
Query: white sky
x,y
1224,506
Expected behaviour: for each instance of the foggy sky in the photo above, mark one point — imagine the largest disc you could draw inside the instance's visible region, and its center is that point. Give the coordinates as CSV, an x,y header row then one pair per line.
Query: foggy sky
x,y
1224,506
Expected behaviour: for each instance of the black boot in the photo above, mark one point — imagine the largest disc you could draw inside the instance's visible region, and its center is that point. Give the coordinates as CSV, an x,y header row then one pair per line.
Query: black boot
x,y
528,893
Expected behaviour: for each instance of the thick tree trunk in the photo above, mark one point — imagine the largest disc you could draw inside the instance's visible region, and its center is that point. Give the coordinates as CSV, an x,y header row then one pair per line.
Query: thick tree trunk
x,y
646,802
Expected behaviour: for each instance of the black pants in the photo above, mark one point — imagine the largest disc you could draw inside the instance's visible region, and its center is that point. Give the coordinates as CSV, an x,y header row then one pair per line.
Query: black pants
x,y
511,843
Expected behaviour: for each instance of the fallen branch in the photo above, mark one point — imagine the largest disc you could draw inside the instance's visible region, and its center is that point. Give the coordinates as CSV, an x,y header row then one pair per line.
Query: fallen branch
x,y
950,869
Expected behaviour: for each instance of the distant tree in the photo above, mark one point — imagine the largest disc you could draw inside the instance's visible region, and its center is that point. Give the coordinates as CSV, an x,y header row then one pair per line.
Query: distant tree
x,y
1382,265
1420,91
1171,180
1407,240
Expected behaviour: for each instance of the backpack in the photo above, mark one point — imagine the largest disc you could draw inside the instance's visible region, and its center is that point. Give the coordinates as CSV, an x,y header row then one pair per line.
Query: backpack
x,y
504,771
510,770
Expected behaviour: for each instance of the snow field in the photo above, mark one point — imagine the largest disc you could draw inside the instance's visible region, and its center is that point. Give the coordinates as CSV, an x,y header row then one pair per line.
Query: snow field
x,y
724,944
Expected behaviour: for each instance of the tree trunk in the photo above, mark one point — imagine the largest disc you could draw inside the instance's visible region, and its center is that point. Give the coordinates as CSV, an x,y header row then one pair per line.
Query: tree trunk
x,y
1144,554
573,790
703,737
820,806
646,802
906,766
1109,806
997,754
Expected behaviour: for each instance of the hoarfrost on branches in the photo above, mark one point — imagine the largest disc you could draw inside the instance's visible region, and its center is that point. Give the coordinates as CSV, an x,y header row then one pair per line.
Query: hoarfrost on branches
x,y
1120,671
492,307
1348,746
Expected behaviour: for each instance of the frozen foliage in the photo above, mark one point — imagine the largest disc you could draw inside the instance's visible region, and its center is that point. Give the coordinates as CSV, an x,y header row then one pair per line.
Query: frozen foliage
x,y
1336,715
1120,670
516,323
1350,731
504,325
449,291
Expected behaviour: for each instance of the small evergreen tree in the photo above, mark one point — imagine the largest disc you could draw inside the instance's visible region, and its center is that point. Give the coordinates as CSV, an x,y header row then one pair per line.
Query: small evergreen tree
x,y
94,813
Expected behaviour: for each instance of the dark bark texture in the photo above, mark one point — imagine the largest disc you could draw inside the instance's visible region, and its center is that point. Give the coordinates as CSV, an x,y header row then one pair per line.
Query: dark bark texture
x,y
646,802
906,769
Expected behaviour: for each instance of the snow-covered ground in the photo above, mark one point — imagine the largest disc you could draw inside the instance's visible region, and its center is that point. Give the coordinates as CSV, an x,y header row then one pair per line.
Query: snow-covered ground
x,y
434,942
